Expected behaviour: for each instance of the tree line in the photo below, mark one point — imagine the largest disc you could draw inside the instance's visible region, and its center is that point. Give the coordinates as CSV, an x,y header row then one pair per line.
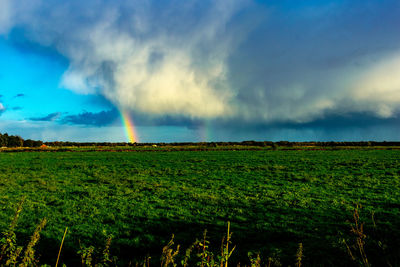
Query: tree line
x,y
222,144
17,141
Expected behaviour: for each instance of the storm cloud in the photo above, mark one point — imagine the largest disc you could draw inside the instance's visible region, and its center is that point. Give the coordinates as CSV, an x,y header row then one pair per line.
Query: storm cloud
x,y
101,118
113,117
285,63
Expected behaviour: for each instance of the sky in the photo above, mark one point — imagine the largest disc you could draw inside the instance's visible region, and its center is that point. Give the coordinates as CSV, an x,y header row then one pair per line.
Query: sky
x,y
200,70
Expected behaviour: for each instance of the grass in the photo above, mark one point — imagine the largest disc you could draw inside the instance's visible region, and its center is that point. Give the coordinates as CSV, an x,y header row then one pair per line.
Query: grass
x,y
273,199
10,252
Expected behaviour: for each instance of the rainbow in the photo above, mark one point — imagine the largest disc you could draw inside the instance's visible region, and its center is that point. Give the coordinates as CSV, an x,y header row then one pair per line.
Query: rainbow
x,y
129,127
204,132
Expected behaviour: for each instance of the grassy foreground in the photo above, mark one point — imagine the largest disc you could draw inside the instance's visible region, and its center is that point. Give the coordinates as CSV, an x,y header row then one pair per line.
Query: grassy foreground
x,y
273,199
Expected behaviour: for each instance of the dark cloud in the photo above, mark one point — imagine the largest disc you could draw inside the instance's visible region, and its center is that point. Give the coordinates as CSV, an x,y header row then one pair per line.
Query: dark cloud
x,y
102,118
108,117
309,58
19,95
143,119
333,127
16,108
346,121
51,117
329,122
326,126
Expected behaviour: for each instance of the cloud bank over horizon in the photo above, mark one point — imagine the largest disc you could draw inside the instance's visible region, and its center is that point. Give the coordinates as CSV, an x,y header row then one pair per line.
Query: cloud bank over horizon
x,y
230,62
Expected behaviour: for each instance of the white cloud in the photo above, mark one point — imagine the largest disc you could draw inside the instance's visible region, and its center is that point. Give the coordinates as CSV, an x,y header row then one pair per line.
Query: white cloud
x,y
161,60
378,88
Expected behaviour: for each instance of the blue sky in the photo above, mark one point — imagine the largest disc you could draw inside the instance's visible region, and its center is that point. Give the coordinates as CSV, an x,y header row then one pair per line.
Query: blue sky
x,y
30,84
200,70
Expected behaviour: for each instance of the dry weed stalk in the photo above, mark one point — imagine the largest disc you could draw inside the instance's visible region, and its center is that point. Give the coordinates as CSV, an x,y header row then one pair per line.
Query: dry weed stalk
x,y
168,254
299,255
106,251
206,257
357,228
146,262
62,242
187,255
29,256
254,261
9,248
10,251
225,253
86,255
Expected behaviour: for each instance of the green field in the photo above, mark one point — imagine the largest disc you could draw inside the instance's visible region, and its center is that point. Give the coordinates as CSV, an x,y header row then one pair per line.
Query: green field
x,y
273,199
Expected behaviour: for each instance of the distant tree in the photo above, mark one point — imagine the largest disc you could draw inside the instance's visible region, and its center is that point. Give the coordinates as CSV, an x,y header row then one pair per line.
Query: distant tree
x,y
15,141
274,146
3,140
32,143
28,143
